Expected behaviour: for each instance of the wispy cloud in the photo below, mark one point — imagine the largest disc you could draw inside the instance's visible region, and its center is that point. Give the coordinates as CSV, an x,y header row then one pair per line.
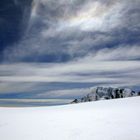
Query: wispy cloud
x,y
119,53
60,30
74,42
67,72
112,73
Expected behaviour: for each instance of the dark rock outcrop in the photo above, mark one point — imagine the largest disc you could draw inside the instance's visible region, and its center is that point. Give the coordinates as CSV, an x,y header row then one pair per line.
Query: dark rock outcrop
x,y
106,93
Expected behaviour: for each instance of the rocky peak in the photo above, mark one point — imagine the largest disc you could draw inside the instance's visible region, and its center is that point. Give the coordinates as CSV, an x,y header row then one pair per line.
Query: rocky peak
x,y
105,93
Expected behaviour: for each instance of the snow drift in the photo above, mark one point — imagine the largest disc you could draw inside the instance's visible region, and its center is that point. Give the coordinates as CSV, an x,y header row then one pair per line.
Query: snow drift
x,y
102,120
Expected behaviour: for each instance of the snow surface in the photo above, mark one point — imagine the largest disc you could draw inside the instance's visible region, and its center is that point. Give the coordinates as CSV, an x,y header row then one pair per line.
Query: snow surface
x,y
117,119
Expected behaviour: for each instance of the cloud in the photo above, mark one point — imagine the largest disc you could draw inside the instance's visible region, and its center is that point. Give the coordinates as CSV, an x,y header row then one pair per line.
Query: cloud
x,y
119,53
70,77
60,30
16,87
14,17
67,93
67,72
69,45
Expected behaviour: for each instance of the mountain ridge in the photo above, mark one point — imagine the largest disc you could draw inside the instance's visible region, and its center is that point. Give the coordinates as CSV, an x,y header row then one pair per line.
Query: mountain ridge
x,y
106,93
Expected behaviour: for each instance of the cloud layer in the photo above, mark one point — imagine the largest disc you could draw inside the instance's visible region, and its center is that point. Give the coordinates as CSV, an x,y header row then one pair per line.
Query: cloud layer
x,y
70,45
66,79
63,30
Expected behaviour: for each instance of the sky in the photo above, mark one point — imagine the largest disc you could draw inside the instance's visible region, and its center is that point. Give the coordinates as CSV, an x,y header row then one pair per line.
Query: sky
x,y
62,48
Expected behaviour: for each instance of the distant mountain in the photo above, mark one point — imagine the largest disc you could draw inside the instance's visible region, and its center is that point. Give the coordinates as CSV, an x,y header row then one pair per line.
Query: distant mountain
x,y
105,93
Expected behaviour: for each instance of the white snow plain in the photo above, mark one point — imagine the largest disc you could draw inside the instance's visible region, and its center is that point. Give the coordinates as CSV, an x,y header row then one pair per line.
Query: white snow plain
x,y
117,119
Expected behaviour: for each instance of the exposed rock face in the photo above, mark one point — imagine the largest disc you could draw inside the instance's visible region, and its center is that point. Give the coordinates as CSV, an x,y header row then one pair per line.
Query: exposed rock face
x,y
105,93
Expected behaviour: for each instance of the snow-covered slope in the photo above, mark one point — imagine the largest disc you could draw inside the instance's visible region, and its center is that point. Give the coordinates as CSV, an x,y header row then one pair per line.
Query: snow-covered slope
x,y
117,119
